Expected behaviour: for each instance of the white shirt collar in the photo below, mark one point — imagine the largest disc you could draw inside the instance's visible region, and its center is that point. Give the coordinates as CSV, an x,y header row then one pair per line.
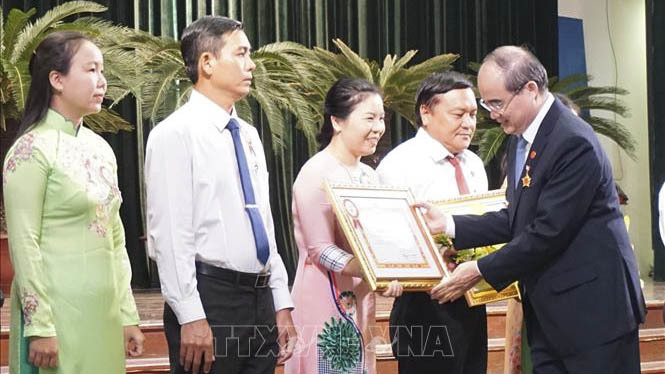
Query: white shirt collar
x,y
218,116
531,131
437,151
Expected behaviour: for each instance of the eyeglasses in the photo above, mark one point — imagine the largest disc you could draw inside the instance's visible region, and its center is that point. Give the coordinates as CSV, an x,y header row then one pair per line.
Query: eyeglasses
x,y
499,107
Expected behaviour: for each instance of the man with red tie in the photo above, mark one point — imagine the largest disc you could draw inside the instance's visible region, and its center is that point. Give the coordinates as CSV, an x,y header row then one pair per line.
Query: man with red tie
x,y
429,337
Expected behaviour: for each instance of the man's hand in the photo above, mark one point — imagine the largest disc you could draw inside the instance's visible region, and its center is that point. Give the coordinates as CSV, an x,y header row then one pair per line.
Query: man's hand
x,y
196,346
133,341
434,217
287,337
465,276
43,352
447,254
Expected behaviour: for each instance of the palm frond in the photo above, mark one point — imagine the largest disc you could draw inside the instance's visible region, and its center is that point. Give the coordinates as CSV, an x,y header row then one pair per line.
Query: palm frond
x,y
614,131
16,21
586,91
104,32
604,103
357,63
443,62
491,143
185,92
473,66
155,95
32,34
162,71
392,65
18,80
106,121
274,114
244,110
2,34
568,83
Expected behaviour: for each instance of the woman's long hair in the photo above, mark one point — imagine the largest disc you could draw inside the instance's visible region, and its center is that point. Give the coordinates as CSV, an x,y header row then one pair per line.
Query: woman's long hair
x,y
54,53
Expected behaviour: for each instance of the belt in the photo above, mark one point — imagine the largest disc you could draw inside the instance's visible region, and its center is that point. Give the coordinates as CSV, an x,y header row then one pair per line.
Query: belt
x,y
254,280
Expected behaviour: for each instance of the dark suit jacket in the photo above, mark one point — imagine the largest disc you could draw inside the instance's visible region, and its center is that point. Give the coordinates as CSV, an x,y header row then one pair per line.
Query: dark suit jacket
x,y
567,241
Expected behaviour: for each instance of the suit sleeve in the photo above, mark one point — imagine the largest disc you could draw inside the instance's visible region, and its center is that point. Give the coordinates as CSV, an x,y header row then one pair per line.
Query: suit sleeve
x,y
481,230
560,211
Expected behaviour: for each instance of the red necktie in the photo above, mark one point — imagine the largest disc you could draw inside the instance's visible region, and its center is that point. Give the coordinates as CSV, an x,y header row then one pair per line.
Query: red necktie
x,y
459,176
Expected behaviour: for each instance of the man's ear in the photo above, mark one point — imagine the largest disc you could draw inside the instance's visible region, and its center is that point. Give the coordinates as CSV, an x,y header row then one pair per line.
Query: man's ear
x,y
207,63
425,114
55,78
532,86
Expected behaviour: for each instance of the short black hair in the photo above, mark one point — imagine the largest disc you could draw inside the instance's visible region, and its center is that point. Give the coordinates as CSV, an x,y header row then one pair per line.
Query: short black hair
x,y
204,35
519,66
438,83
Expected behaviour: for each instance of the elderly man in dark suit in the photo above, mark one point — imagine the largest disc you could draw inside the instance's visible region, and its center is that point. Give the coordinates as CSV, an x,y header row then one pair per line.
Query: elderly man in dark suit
x,y
567,242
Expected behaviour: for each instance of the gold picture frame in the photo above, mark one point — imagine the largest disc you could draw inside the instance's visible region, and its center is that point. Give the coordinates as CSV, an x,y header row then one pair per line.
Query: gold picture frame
x,y
387,235
482,203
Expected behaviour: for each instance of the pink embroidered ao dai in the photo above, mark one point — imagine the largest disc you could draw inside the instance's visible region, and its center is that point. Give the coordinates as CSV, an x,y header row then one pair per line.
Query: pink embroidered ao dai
x,y
328,305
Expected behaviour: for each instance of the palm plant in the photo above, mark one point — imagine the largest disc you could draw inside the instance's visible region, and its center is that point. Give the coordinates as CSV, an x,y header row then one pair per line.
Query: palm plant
x,y
398,83
290,79
277,85
19,37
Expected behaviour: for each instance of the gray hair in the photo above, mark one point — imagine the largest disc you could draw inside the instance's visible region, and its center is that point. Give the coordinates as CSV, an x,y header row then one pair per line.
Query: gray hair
x,y
519,66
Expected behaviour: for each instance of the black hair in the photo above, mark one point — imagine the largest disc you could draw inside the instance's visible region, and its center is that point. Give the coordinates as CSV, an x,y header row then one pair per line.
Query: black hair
x,y
438,83
204,35
520,66
54,53
341,100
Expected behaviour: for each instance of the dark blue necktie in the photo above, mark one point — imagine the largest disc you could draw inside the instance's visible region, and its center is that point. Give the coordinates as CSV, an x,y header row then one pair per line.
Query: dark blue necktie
x,y
260,236
520,158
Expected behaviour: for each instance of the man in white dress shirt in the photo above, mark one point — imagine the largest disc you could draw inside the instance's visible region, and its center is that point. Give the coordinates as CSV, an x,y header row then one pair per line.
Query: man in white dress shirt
x,y
210,228
437,165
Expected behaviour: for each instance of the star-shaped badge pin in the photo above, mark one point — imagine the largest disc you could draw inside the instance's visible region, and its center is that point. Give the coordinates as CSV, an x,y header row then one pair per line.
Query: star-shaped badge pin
x,y
526,180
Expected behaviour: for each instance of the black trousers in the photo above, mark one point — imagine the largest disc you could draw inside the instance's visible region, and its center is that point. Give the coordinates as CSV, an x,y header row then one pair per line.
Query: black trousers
x,y
242,319
619,356
428,337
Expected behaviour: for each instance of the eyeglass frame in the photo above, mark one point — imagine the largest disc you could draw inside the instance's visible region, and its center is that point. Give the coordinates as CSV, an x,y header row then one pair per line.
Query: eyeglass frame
x,y
505,105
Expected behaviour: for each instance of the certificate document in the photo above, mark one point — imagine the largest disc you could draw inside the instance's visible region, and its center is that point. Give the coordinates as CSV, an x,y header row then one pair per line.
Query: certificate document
x,y
387,235
490,201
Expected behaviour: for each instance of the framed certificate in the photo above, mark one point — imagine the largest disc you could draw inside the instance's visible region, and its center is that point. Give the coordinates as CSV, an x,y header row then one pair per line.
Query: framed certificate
x,y
491,201
387,235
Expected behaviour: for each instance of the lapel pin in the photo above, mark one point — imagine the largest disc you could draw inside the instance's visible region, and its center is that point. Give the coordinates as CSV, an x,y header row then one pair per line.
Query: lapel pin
x,y
532,155
526,181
